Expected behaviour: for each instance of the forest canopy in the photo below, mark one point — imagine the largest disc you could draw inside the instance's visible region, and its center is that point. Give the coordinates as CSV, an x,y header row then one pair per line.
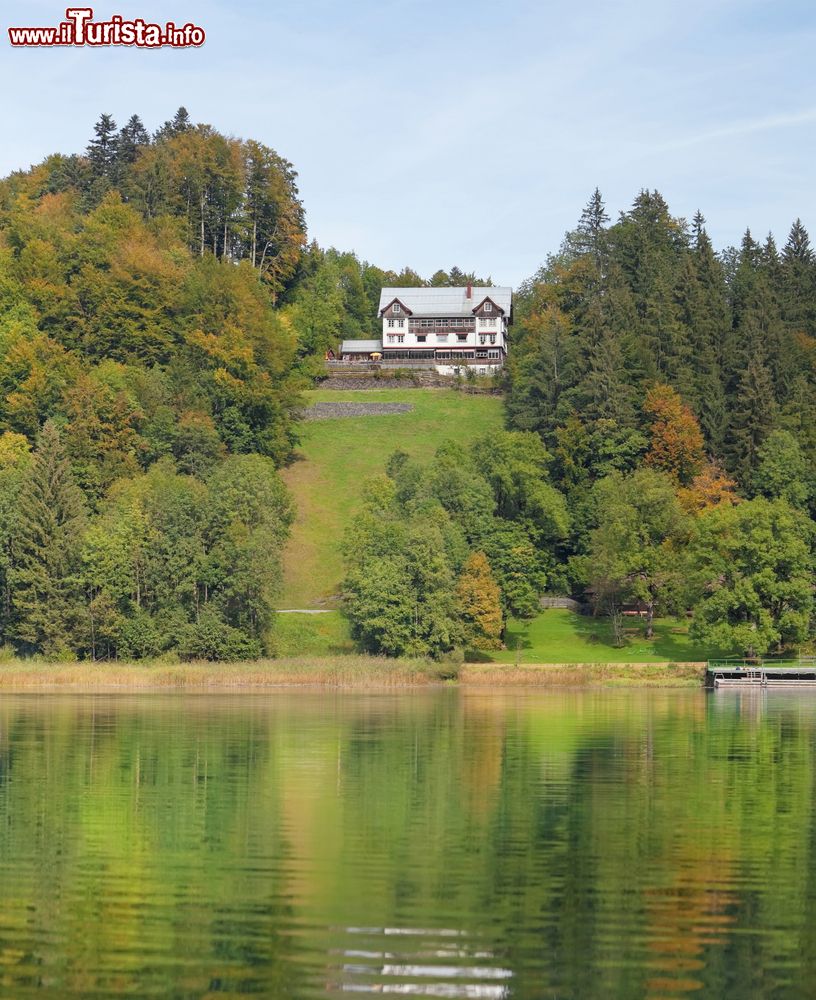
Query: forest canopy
x,y
670,389
161,310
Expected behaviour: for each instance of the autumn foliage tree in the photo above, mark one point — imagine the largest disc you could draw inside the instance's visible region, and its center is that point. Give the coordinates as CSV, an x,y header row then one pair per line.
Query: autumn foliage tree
x,y
676,441
480,600
711,487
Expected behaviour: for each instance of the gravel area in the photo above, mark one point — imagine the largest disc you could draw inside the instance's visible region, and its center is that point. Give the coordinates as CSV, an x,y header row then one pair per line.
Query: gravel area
x,y
331,411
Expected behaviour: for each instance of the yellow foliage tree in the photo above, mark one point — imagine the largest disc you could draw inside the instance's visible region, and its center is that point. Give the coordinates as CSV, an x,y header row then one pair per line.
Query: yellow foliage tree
x,y
480,601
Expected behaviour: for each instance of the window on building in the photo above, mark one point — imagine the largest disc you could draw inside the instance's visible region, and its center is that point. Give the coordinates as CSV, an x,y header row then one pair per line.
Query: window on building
x,y
492,338
390,338
421,338
390,322
442,338
395,307
488,307
400,338
482,338
481,354
494,354
461,337
400,322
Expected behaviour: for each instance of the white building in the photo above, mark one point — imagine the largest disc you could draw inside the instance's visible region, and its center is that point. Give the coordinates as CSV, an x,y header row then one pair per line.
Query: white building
x,y
451,328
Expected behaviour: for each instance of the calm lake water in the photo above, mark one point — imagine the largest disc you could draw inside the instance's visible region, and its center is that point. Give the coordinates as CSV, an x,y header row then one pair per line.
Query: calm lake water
x,y
438,844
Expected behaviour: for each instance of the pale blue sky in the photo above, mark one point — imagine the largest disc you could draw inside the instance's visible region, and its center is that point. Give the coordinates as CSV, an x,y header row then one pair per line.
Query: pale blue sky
x,y
438,133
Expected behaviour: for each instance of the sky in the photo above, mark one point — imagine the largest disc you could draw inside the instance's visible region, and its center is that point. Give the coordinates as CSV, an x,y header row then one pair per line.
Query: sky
x,y
433,133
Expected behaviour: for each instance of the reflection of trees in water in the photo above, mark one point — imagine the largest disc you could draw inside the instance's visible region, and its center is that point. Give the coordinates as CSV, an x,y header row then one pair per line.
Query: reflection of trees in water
x,y
634,844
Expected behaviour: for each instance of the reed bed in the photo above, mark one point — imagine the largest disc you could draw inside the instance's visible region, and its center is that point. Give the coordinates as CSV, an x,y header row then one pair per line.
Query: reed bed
x,y
352,672
330,672
583,674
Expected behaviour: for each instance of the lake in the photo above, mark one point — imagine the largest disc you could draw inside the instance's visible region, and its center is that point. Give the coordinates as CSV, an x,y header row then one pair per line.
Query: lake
x,y
431,843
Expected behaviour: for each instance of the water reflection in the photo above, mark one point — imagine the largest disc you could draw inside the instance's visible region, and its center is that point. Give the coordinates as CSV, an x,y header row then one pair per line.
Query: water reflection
x,y
438,844
423,955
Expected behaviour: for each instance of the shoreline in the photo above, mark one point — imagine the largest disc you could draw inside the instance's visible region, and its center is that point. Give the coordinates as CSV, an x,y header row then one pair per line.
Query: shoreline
x,y
339,673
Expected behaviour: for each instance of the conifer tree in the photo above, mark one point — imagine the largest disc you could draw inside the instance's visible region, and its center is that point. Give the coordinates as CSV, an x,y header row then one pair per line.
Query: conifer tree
x,y
131,138
590,233
180,122
753,416
798,282
102,149
706,319
46,592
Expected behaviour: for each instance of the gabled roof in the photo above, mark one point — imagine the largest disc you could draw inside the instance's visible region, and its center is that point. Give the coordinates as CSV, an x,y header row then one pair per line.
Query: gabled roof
x,y
446,301
480,300
389,304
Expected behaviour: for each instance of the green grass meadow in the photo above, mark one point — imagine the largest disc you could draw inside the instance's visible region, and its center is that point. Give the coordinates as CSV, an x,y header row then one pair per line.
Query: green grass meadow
x,y
313,635
336,457
561,636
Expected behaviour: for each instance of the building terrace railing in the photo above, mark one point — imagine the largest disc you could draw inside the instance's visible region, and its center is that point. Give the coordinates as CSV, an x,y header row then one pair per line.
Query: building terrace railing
x,y
390,363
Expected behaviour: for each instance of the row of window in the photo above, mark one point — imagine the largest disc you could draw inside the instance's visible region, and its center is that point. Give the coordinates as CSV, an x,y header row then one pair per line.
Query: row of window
x,y
464,323
452,356
440,323
464,355
441,338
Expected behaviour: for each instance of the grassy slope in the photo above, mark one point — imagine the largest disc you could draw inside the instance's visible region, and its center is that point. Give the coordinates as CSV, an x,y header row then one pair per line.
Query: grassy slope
x,y
313,635
560,636
339,455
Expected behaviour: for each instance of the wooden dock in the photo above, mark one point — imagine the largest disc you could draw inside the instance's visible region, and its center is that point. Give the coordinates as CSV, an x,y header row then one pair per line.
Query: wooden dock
x,y
761,673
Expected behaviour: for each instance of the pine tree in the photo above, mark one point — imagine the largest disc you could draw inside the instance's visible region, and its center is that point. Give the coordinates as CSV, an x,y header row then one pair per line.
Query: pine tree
x,y
769,261
131,138
698,230
798,282
753,417
102,149
650,245
180,122
480,602
45,586
758,326
590,233
705,315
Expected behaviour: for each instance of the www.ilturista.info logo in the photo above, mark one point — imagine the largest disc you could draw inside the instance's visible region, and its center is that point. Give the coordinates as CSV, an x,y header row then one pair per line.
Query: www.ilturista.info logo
x,y
79,28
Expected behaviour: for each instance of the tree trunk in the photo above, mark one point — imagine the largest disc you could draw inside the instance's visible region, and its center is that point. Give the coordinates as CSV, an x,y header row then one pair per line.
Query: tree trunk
x,y
201,211
650,619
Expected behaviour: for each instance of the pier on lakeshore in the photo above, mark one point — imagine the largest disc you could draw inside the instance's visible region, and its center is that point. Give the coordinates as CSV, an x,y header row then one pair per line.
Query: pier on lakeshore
x,y
761,673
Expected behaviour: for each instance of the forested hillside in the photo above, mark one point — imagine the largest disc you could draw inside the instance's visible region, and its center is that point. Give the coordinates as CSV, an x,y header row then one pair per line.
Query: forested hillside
x,y
148,393
674,389
661,398
161,310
